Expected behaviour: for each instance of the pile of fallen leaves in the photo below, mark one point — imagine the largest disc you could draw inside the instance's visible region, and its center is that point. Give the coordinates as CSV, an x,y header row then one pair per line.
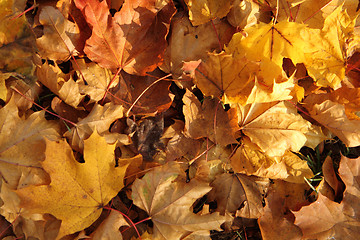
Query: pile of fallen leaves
x,y
161,119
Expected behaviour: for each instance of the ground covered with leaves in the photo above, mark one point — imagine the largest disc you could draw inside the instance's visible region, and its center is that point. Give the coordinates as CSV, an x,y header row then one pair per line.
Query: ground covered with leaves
x,y
183,119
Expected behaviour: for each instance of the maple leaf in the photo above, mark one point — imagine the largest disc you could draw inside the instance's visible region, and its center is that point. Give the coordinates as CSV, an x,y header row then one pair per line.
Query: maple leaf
x,y
234,192
148,95
22,146
94,80
60,35
209,120
127,40
10,28
100,118
277,222
60,83
109,228
168,202
288,167
249,83
277,127
202,11
271,41
332,116
190,43
326,58
77,192
243,14
338,220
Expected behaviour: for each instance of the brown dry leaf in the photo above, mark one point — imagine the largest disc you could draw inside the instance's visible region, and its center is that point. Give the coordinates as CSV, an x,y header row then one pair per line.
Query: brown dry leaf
x,y
155,96
168,202
96,79
100,118
239,193
22,146
109,228
277,222
202,11
276,128
59,83
332,115
189,43
77,192
288,167
60,37
127,40
326,219
330,187
209,120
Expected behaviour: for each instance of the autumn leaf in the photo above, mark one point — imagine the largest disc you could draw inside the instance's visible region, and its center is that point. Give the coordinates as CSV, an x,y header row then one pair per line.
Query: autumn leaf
x,y
77,191
100,118
271,41
59,83
190,43
288,167
275,128
22,146
168,202
11,28
127,40
326,58
60,35
332,116
209,120
109,228
337,220
203,11
239,193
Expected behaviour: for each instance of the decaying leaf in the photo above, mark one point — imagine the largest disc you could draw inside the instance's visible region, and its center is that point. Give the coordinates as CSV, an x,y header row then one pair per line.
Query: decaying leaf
x,y
77,192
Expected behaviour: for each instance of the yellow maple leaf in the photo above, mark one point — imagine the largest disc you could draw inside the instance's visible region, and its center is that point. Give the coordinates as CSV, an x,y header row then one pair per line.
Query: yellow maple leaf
x,y
77,191
271,41
202,11
327,56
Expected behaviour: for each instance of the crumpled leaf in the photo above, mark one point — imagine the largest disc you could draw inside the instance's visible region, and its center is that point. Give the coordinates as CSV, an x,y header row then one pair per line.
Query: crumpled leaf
x,y
22,146
243,14
275,128
202,11
325,219
209,120
60,35
127,40
77,191
234,192
168,202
